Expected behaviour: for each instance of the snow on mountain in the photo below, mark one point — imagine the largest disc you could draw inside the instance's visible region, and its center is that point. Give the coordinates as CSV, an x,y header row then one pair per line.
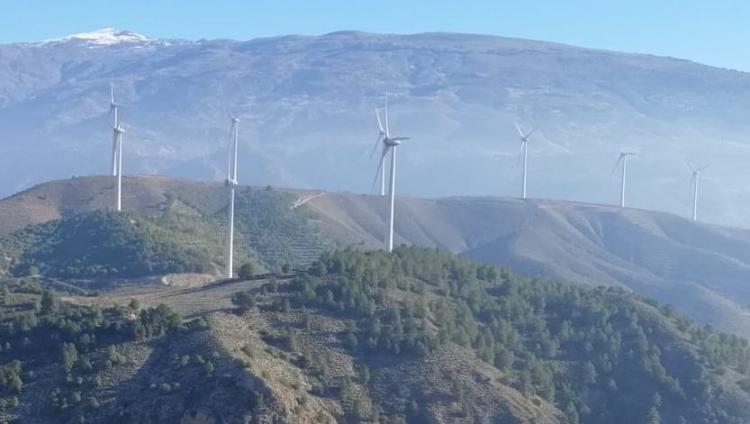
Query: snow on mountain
x,y
103,37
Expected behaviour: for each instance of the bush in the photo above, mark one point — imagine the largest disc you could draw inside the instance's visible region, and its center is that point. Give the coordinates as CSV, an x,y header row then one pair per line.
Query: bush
x,y
247,271
244,301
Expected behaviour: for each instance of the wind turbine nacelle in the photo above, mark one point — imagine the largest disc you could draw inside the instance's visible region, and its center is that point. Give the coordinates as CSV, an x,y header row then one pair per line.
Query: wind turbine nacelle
x,y
230,182
395,141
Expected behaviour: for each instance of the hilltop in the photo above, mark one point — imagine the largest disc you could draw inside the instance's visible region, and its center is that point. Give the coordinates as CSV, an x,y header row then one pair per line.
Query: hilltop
x,y
306,104
699,269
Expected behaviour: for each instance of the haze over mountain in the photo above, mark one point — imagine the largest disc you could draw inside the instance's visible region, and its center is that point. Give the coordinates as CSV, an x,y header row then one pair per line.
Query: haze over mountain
x,y
307,107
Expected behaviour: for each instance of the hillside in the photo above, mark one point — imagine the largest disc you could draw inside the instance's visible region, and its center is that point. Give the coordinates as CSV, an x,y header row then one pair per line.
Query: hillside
x,y
699,269
419,335
306,104
63,229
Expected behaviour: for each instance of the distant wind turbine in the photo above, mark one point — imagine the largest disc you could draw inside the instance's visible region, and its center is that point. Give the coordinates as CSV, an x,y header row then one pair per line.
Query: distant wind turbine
x,y
113,110
624,160
696,177
381,139
389,144
231,183
524,155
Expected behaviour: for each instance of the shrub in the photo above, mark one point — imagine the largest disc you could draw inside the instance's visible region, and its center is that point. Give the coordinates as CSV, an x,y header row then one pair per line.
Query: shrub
x,y
247,271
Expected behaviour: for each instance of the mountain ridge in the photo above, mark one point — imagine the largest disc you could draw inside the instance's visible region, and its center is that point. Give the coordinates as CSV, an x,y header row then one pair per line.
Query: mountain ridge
x,y
307,101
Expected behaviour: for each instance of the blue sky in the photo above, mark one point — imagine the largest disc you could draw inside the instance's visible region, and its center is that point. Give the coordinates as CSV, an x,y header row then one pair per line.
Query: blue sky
x,y
713,32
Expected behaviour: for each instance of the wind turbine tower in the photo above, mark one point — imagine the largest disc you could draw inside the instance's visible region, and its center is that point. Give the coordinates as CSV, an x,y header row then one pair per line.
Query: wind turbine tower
x,y
524,156
696,178
231,183
118,133
623,159
390,144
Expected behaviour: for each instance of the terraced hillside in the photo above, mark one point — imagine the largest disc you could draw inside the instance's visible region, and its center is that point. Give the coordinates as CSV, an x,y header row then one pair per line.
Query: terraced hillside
x,y
43,225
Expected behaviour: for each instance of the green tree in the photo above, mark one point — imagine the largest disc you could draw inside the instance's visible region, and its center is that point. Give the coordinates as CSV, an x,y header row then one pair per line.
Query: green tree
x,y
589,373
48,302
69,356
572,413
247,271
244,301
653,416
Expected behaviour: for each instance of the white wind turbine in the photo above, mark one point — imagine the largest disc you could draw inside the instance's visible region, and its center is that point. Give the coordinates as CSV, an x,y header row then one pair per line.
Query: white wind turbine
x,y
624,160
696,178
231,183
381,138
389,144
113,110
524,155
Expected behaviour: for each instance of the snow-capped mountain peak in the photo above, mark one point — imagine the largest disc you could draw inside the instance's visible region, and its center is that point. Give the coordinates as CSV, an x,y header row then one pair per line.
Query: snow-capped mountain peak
x,y
104,37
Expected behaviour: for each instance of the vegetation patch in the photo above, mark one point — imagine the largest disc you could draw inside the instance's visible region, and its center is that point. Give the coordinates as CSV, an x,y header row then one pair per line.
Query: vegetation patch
x,y
101,244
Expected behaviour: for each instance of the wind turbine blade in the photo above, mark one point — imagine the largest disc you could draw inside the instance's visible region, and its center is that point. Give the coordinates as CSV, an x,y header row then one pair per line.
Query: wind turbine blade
x,y
617,164
380,166
380,123
530,132
377,142
112,92
520,131
387,127
690,166
230,148
400,138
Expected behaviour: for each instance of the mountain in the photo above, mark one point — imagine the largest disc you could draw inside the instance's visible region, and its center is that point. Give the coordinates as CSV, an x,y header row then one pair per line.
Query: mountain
x,y
307,102
699,269
418,335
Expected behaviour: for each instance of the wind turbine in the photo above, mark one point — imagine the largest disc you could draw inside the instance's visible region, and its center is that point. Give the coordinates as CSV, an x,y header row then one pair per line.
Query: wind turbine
x,y
113,110
696,177
381,138
389,144
117,141
231,183
524,155
624,160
